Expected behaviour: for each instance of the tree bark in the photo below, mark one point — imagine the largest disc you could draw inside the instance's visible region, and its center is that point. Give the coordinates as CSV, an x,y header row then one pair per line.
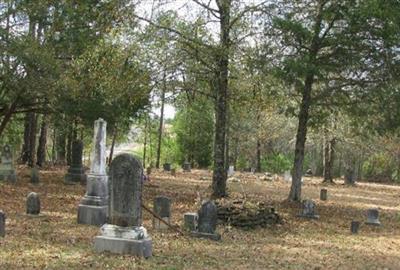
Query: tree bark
x,y
7,116
258,155
32,139
61,143
41,151
70,138
329,159
25,147
160,130
219,173
145,143
114,137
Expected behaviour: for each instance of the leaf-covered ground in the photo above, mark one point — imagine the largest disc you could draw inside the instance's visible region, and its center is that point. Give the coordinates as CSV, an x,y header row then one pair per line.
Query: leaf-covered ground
x,y
55,241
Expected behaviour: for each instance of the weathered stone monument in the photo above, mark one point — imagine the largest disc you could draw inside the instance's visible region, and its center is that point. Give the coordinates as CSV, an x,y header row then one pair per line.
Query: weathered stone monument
x,y
33,204
355,225
2,224
373,217
35,179
186,166
124,234
93,206
7,171
76,172
207,222
190,221
309,210
323,196
167,167
162,208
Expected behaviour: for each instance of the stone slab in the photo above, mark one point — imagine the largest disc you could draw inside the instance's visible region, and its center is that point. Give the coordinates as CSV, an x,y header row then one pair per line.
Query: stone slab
x,y
212,236
92,214
140,248
309,216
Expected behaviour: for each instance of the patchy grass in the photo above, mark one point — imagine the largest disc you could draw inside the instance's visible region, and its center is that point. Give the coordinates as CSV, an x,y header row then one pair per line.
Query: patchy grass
x,y
56,241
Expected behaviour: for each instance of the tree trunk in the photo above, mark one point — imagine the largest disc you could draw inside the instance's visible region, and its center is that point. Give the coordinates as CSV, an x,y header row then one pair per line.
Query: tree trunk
x,y
329,159
41,151
258,155
61,143
7,116
160,130
145,143
70,138
297,172
219,173
114,137
32,139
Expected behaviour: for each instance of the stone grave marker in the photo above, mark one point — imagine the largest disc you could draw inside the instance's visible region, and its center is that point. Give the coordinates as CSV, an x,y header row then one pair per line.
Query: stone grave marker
x,y
323,194
33,204
287,176
124,233
7,171
207,222
93,206
161,207
35,179
186,166
355,225
231,171
309,210
76,172
190,221
167,167
2,224
373,217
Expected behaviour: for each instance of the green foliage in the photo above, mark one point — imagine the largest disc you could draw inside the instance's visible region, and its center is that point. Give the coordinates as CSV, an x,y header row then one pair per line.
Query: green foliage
x,y
276,163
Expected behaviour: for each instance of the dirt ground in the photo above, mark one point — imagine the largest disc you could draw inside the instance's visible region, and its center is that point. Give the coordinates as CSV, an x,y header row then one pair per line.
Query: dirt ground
x,y
55,240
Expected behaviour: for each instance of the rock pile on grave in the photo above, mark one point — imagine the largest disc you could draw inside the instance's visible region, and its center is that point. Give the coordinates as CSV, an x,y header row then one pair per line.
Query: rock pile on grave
x,y
246,215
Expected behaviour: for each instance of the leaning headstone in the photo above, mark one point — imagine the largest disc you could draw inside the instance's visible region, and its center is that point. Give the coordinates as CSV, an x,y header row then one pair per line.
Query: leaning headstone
x,y
93,206
190,221
186,166
373,217
207,222
324,194
355,225
309,210
33,204
35,179
2,224
124,234
162,208
76,172
7,171
167,167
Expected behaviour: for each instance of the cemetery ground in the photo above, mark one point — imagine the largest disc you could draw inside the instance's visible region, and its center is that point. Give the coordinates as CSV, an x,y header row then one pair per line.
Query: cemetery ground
x,y
54,240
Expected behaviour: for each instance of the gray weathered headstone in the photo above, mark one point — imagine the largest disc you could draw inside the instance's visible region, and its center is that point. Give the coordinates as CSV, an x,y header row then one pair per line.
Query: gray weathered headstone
x,y
35,179
186,166
167,167
309,210
2,224
7,171
207,222
93,206
76,172
190,221
33,204
373,217
161,207
354,227
323,194
124,234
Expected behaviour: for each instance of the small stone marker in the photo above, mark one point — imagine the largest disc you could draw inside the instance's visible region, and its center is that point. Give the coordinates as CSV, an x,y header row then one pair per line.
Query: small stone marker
x,y
207,222
33,204
309,210
167,167
161,207
186,166
173,172
93,206
124,234
231,171
2,224
373,217
355,225
287,176
190,221
76,172
35,179
7,171
324,194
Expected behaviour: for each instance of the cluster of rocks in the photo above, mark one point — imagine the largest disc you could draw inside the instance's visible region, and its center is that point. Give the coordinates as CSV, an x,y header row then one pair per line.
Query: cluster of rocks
x,y
247,215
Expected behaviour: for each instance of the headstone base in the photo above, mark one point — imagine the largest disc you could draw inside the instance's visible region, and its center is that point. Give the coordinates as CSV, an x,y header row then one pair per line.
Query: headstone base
x,y
75,176
373,223
212,236
92,214
309,216
140,248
